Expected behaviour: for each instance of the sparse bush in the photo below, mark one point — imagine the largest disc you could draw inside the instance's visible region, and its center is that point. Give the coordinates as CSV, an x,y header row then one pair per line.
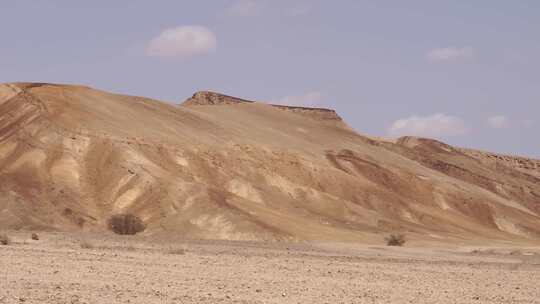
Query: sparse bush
x,y
86,245
395,240
126,224
178,251
34,236
130,248
4,239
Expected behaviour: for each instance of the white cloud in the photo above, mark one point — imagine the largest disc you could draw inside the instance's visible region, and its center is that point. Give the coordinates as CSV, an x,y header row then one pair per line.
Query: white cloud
x,y
498,121
436,125
245,8
308,99
183,42
450,54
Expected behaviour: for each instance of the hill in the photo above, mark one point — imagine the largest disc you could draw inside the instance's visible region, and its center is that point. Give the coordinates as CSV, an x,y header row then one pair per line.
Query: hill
x,y
221,167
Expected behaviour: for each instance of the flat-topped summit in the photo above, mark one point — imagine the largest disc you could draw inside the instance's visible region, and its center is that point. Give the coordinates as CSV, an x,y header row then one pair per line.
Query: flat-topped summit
x,y
213,98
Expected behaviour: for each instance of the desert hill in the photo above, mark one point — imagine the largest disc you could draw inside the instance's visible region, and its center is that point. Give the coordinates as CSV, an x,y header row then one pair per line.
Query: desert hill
x,y
226,168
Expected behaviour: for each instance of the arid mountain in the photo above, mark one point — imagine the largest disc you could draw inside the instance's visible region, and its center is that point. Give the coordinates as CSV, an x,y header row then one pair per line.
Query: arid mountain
x,y
227,168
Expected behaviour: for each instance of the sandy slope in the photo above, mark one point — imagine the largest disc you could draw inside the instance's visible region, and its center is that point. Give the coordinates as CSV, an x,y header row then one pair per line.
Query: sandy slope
x,y
224,168
56,269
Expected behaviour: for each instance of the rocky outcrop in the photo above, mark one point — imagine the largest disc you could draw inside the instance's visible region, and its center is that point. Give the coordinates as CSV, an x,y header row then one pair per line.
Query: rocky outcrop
x,y
526,165
317,113
204,98
212,98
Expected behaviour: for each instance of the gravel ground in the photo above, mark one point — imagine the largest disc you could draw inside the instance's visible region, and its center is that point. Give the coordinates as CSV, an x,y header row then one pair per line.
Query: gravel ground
x,y
71,268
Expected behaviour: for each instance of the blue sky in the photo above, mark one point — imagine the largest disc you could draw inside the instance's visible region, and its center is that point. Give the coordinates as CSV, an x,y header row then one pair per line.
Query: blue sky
x,y
465,72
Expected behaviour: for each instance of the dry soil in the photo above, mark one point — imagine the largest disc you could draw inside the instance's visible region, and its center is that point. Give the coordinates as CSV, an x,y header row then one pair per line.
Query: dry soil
x,y
94,268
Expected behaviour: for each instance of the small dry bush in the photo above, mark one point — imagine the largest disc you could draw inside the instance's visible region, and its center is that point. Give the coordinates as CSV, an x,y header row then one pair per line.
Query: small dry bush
x,y
4,239
86,245
126,224
177,251
130,248
395,240
34,237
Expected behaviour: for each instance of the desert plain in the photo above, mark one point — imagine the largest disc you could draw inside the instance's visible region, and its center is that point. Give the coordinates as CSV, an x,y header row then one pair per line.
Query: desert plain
x,y
106,268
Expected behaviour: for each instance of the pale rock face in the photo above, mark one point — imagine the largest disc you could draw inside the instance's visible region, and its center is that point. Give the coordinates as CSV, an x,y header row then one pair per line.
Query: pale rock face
x,y
227,168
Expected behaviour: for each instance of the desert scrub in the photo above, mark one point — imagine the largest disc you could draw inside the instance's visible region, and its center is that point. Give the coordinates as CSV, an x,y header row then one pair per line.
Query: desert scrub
x,y
395,240
177,251
4,239
126,224
86,245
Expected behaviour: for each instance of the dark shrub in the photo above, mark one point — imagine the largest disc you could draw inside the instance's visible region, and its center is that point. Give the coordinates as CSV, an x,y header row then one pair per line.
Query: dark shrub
x,y
178,251
4,239
34,236
86,245
395,240
126,224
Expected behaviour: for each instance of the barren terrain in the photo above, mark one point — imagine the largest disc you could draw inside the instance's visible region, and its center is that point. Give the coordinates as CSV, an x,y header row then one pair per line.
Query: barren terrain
x,y
246,202
220,167
112,269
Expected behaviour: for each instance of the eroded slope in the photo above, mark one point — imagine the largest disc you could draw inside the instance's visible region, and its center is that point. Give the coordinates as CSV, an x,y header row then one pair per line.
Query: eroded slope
x,y
72,156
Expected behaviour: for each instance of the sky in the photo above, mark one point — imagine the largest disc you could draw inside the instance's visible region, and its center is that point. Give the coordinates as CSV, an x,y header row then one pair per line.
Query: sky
x,y
464,72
